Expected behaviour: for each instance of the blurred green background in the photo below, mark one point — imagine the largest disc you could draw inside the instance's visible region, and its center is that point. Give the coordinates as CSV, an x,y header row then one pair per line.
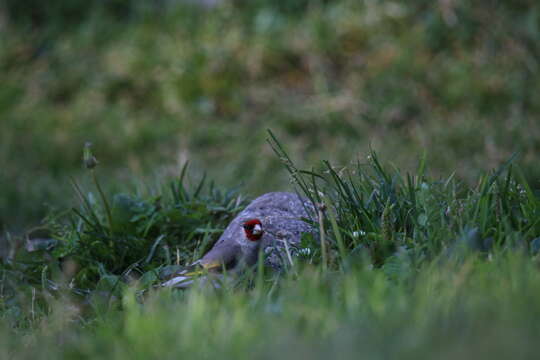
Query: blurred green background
x,y
153,84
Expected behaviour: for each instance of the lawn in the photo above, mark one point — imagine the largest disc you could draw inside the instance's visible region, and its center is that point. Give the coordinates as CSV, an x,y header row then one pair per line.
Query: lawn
x,y
153,86
412,127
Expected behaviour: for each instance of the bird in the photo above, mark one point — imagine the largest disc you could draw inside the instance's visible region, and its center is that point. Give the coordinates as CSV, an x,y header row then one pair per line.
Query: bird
x,y
273,222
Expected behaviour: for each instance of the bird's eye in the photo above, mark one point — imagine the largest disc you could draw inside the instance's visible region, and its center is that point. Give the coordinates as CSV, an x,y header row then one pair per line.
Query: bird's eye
x,y
249,227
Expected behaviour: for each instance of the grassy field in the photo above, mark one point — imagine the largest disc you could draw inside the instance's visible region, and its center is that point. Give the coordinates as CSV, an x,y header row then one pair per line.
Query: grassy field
x,y
411,268
477,310
154,86
427,113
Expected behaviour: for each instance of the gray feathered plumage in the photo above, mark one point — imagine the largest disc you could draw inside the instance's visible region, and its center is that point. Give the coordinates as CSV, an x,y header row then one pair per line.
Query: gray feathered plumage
x,y
281,215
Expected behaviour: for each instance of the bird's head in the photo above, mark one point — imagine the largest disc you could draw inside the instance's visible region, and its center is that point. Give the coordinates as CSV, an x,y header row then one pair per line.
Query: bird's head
x,y
240,247
253,229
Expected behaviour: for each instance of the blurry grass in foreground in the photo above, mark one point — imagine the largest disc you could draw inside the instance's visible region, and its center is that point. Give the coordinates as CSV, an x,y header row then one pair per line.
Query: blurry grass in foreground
x,y
477,309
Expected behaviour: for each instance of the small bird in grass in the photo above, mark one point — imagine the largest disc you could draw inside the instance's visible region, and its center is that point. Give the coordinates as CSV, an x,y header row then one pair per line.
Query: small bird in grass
x,y
273,222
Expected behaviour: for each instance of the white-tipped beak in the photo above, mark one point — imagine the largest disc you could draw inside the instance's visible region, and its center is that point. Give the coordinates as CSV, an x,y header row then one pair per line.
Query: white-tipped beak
x,y
257,229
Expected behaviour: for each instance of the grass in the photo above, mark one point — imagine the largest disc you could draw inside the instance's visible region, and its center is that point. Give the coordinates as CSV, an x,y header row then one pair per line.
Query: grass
x,y
431,256
477,309
152,87
414,268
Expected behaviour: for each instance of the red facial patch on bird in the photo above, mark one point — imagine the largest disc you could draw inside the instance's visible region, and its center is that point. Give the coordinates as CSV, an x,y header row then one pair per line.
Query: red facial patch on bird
x,y
253,229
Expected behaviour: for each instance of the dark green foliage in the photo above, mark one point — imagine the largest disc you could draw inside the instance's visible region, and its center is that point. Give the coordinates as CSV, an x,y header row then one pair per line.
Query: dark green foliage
x,y
133,235
387,214
104,244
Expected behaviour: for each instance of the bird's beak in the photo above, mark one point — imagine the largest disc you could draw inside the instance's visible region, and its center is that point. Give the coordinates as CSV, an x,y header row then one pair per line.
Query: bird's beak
x,y
214,265
257,229
197,270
